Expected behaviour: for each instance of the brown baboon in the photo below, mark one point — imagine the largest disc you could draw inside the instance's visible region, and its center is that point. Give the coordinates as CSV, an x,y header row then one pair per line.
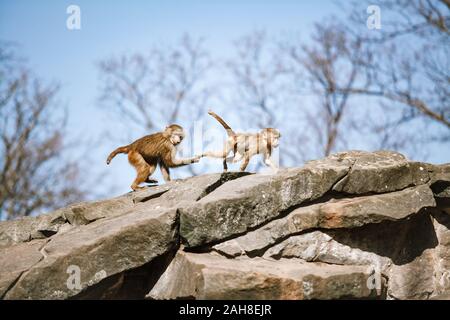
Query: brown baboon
x,y
246,145
147,152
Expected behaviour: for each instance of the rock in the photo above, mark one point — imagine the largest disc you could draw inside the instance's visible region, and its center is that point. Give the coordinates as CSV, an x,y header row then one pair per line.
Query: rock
x,y
245,203
441,297
87,212
440,184
229,248
439,172
98,250
143,195
379,172
47,225
209,276
15,260
187,191
441,261
413,280
318,246
29,228
353,225
373,244
170,195
342,213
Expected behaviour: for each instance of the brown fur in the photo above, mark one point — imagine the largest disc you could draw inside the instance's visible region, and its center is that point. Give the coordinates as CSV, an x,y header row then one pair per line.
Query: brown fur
x,y
245,145
149,151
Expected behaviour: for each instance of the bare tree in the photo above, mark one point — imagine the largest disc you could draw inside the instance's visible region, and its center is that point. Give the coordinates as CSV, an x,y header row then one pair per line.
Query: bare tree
x,y
330,63
255,77
36,173
410,64
165,86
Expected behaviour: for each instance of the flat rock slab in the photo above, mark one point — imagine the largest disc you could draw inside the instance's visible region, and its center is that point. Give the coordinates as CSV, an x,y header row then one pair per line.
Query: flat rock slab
x,y
209,276
185,192
379,172
245,203
29,228
15,260
47,225
343,213
171,195
98,250
318,246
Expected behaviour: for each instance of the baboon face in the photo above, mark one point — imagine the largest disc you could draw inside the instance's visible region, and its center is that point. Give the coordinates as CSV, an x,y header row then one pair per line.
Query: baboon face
x,y
176,134
273,135
177,137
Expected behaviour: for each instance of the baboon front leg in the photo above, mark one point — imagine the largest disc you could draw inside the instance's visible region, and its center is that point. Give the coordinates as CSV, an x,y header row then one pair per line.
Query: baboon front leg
x,y
142,169
216,154
245,162
165,172
220,154
268,161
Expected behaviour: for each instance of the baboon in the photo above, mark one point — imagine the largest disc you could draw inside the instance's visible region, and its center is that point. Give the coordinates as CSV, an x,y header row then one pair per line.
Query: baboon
x,y
155,149
246,145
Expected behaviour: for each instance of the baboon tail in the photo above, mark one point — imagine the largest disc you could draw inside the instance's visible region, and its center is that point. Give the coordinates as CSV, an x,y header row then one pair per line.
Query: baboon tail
x,y
230,131
124,149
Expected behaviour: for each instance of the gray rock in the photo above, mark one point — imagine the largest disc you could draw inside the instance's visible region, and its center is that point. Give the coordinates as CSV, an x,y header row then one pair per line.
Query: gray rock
x,y
15,260
186,192
413,280
100,249
441,262
171,195
353,225
29,228
342,213
406,252
245,203
229,248
318,246
379,172
209,276
440,182
86,212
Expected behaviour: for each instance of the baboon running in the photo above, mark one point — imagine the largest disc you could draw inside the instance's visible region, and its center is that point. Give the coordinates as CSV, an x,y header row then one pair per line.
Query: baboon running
x,y
147,152
246,145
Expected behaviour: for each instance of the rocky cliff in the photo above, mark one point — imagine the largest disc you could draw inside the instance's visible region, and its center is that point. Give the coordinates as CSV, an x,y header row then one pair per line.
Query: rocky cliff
x,y
353,225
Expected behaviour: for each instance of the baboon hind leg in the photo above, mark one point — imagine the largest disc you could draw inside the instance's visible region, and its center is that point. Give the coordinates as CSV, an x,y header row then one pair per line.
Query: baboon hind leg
x,y
225,166
152,168
142,169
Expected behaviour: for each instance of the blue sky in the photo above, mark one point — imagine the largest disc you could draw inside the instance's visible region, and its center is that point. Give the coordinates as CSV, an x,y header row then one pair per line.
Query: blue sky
x,y
114,27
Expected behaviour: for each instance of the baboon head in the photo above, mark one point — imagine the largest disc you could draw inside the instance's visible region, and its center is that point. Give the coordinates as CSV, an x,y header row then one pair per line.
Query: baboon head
x,y
271,135
175,133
